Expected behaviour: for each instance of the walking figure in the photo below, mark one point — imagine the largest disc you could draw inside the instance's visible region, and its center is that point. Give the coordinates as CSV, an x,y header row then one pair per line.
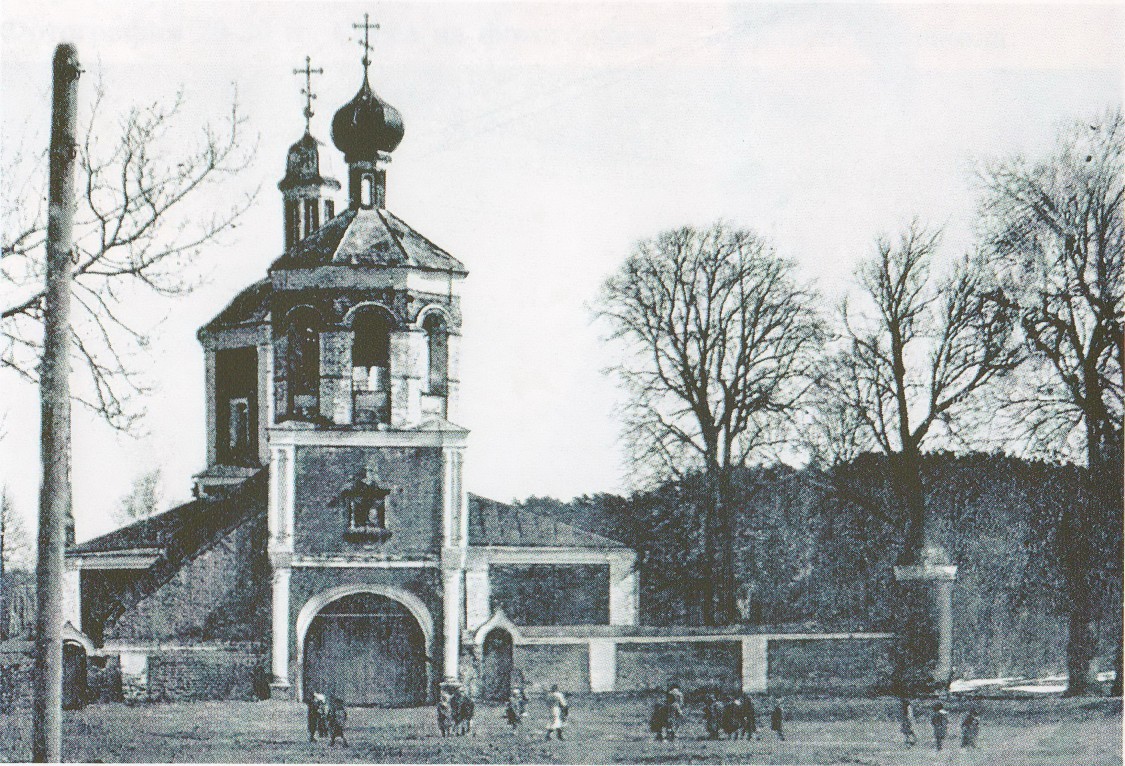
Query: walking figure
x,y
749,718
777,720
906,722
713,716
559,712
940,722
970,728
516,708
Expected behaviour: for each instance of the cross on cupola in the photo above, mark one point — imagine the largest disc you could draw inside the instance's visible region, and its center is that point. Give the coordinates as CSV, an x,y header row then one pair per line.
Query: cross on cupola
x,y
366,26
307,91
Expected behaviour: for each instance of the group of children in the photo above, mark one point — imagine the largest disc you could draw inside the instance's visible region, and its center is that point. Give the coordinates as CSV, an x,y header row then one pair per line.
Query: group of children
x,y
558,706
970,725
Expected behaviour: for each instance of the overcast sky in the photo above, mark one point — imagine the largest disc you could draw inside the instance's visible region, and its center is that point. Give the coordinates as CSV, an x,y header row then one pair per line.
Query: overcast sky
x,y
542,140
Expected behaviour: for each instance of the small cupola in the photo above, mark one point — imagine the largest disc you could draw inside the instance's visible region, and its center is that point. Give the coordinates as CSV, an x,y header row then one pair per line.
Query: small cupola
x,y
307,193
367,129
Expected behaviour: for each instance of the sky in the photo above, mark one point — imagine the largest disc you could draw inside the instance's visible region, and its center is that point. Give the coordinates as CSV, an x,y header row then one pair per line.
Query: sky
x,y
542,141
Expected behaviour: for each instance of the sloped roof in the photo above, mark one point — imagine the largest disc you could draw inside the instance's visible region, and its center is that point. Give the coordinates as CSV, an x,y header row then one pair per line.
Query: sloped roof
x,y
494,523
186,527
367,237
249,307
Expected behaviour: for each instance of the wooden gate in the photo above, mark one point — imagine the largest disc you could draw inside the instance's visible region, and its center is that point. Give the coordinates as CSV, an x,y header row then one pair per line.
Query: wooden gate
x,y
496,665
366,649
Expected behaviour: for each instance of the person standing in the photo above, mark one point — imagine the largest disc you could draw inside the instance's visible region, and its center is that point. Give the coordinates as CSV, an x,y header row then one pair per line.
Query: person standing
x,y
559,711
777,721
906,722
940,721
970,728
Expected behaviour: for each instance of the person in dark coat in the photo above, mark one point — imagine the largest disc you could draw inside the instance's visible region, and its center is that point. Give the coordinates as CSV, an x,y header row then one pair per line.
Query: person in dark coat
x,y
970,728
777,721
732,717
516,708
713,716
940,721
749,717
906,722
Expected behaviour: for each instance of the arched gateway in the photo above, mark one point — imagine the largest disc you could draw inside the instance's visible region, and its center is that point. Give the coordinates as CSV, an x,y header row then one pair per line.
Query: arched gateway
x,y
367,648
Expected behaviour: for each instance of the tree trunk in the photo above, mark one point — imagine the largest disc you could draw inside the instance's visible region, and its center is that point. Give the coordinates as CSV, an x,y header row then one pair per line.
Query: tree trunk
x,y
54,391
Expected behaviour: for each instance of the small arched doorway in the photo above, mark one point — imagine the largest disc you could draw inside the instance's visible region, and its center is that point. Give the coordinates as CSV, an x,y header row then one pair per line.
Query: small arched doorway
x,y
496,665
74,688
368,650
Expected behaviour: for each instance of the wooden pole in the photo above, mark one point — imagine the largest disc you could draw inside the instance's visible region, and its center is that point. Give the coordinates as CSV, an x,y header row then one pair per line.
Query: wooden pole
x,y
54,394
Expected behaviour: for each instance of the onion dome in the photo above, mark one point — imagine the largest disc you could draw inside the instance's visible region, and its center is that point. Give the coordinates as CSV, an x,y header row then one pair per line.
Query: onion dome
x,y
365,126
302,166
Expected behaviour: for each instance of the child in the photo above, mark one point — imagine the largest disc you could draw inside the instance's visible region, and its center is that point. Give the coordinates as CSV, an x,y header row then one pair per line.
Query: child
x,y
517,706
970,728
777,720
940,722
906,725
559,711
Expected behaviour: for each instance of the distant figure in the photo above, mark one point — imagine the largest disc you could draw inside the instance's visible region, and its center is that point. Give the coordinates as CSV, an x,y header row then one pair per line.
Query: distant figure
x,y
732,717
463,709
940,721
559,712
906,722
337,721
445,714
749,718
713,716
676,697
665,720
777,721
970,728
516,708
317,708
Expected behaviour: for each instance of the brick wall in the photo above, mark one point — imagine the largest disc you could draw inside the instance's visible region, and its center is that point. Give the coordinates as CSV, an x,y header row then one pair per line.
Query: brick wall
x,y
827,665
567,665
228,674
695,666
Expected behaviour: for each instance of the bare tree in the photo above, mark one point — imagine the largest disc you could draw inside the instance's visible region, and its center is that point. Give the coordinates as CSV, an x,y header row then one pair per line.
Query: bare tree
x,y
1056,230
716,338
145,497
15,560
915,356
151,197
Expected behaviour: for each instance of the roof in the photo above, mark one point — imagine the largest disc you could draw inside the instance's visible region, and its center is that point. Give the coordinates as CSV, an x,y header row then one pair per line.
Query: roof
x,y
494,523
249,307
186,527
367,237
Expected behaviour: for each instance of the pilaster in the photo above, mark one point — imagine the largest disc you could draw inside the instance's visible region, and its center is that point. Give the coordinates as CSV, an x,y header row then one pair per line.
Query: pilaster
x,y
603,665
477,595
209,393
623,591
265,400
279,684
451,574
755,664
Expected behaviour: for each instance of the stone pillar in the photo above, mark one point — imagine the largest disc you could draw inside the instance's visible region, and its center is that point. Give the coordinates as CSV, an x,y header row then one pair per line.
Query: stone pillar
x,y
406,378
279,684
477,596
451,614
925,652
623,594
336,376
265,400
603,665
209,393
72,595
755,664
281,500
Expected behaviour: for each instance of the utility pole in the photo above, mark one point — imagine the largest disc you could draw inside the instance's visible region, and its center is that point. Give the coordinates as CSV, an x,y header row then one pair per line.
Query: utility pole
x,y
54,394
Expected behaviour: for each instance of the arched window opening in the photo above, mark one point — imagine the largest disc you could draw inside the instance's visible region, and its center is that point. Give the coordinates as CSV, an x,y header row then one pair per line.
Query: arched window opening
x,y
371,367
366,191
437,355
303,338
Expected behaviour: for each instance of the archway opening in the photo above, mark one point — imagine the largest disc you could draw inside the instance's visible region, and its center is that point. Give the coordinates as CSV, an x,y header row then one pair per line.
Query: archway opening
x,y
368,650
496,665
74,682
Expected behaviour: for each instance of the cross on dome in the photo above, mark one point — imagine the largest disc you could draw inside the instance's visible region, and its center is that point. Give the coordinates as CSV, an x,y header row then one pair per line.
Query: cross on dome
x,y
307,91
366,26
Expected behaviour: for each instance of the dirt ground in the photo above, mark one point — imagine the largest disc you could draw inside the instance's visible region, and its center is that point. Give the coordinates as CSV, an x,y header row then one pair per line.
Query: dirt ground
x,y
1052,732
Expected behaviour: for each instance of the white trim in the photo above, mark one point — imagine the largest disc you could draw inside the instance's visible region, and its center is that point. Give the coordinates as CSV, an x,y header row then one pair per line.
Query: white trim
x,y
498,620
732,637
343,562
313,606
75,636
138,558
926,572
536,554
153,647
367,438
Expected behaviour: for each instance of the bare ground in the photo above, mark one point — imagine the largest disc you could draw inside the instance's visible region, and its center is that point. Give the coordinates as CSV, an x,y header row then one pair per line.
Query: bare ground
x,y
1051,732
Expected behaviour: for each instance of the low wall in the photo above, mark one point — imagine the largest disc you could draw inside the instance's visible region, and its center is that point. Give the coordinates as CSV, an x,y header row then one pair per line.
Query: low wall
x,y
827,665
567,665
205,674
695,666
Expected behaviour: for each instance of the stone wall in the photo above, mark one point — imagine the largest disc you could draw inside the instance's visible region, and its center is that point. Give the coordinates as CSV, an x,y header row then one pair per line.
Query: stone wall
x,y
695,665
228,674
543,594
826,665
567,665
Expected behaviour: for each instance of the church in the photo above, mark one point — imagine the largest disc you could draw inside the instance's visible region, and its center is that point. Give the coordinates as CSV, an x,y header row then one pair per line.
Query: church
x,y
332,545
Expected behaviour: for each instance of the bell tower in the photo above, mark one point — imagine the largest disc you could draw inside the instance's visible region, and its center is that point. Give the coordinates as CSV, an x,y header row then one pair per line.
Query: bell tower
x,y
306,193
